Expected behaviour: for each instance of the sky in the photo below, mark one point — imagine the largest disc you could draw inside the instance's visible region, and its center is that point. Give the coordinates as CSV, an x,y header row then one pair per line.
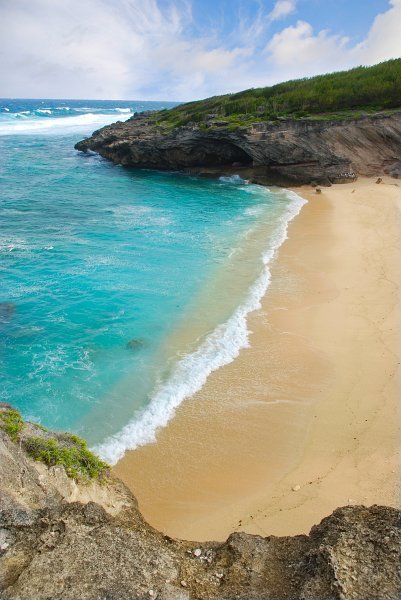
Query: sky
x,y
183,50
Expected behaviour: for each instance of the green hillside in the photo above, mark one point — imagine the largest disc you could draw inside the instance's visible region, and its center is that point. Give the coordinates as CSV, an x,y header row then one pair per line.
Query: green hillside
x,y
343,94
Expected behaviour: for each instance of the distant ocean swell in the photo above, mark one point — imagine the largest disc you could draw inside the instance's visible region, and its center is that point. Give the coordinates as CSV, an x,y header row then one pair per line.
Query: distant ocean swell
x,y
25,117
219,348
45,120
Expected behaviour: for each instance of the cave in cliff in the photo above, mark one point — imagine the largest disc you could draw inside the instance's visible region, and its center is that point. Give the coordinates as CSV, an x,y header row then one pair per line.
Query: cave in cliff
x,y
212,153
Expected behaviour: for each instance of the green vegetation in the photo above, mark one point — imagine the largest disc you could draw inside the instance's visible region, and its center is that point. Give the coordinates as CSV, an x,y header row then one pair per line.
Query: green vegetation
x,y
64,449
11,422
42,427
71,452
344,94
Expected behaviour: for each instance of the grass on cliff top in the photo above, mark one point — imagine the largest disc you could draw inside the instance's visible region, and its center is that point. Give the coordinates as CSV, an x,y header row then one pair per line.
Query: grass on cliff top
x,y
64,449
71,452
344,94
11,422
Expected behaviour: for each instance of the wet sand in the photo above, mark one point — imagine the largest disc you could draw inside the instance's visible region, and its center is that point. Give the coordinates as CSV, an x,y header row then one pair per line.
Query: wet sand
x,y
306,419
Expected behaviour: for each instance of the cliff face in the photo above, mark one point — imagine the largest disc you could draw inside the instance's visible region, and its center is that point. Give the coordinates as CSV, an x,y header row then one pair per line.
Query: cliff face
x,y
64,540
285,153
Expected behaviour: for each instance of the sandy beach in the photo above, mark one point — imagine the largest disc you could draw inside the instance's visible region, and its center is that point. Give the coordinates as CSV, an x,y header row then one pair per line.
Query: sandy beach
x,y
306,419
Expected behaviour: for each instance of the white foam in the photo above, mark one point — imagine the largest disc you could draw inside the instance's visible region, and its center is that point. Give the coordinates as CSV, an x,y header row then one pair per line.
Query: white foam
x,y
219,348
123,110
254,211
235,179
56,125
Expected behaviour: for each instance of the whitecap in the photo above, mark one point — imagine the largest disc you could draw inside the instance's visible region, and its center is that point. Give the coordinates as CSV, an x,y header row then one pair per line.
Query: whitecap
x,y
57,125
235,179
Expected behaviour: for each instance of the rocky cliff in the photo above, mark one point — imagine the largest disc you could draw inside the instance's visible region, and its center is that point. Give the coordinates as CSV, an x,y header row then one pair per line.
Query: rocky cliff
x,y
286,152
65,539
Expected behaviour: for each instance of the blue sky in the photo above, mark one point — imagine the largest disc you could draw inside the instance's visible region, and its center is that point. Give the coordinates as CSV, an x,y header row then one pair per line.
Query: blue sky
x,y
184,49
348,17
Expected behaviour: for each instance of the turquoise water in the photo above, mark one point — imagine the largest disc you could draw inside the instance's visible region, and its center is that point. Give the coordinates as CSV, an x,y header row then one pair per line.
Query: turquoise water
x,y
121,290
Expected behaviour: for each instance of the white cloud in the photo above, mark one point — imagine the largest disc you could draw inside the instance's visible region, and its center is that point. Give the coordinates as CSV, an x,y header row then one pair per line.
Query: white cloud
x,y
282,9
146,49
384,39
84,49
297,49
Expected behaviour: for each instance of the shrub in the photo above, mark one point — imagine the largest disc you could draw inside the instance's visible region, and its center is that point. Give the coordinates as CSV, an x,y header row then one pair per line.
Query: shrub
x,y
11,422
71,452
375,88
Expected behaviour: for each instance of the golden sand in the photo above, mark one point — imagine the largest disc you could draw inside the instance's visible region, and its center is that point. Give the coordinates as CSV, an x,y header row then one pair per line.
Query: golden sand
x,y
306,419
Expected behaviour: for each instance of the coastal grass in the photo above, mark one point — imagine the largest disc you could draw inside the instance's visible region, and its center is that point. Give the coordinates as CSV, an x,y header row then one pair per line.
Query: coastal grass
x,y
11,422
340,95
71,452
52,449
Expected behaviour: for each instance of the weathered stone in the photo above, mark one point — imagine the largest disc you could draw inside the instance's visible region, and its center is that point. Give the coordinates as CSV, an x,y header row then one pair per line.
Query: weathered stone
x,y
93,544
288,152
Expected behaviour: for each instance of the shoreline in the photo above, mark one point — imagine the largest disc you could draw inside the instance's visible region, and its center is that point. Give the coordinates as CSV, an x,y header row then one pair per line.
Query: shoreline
x,y
287,413
202,344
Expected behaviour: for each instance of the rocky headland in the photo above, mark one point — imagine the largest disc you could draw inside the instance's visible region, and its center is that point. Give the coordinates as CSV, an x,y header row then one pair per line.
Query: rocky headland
x,y
281,152
81,537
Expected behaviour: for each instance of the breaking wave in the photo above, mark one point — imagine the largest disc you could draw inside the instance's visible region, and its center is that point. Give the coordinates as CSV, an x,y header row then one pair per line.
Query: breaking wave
x,y
19,123
219,348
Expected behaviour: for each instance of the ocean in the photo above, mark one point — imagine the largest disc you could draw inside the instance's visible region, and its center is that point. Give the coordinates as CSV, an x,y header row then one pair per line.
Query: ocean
x,y
121,290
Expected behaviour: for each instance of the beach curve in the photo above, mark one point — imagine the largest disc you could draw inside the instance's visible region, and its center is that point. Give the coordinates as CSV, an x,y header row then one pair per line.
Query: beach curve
x,y
277,438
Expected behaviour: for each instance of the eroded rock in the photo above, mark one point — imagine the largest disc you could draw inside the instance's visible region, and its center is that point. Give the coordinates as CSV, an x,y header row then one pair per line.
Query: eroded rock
x,y
53,546
288,152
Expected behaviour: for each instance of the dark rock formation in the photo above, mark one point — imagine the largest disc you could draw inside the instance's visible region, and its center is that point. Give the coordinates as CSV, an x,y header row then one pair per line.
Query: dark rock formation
x,y
289,152
7,310
66,541
135,344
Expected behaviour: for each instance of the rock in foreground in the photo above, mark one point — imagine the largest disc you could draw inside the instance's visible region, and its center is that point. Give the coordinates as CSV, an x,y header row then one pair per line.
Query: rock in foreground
x,y
65,539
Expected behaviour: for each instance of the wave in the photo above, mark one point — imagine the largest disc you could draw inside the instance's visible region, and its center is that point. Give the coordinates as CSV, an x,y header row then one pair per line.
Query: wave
x,y
219,348
21,124
235,179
